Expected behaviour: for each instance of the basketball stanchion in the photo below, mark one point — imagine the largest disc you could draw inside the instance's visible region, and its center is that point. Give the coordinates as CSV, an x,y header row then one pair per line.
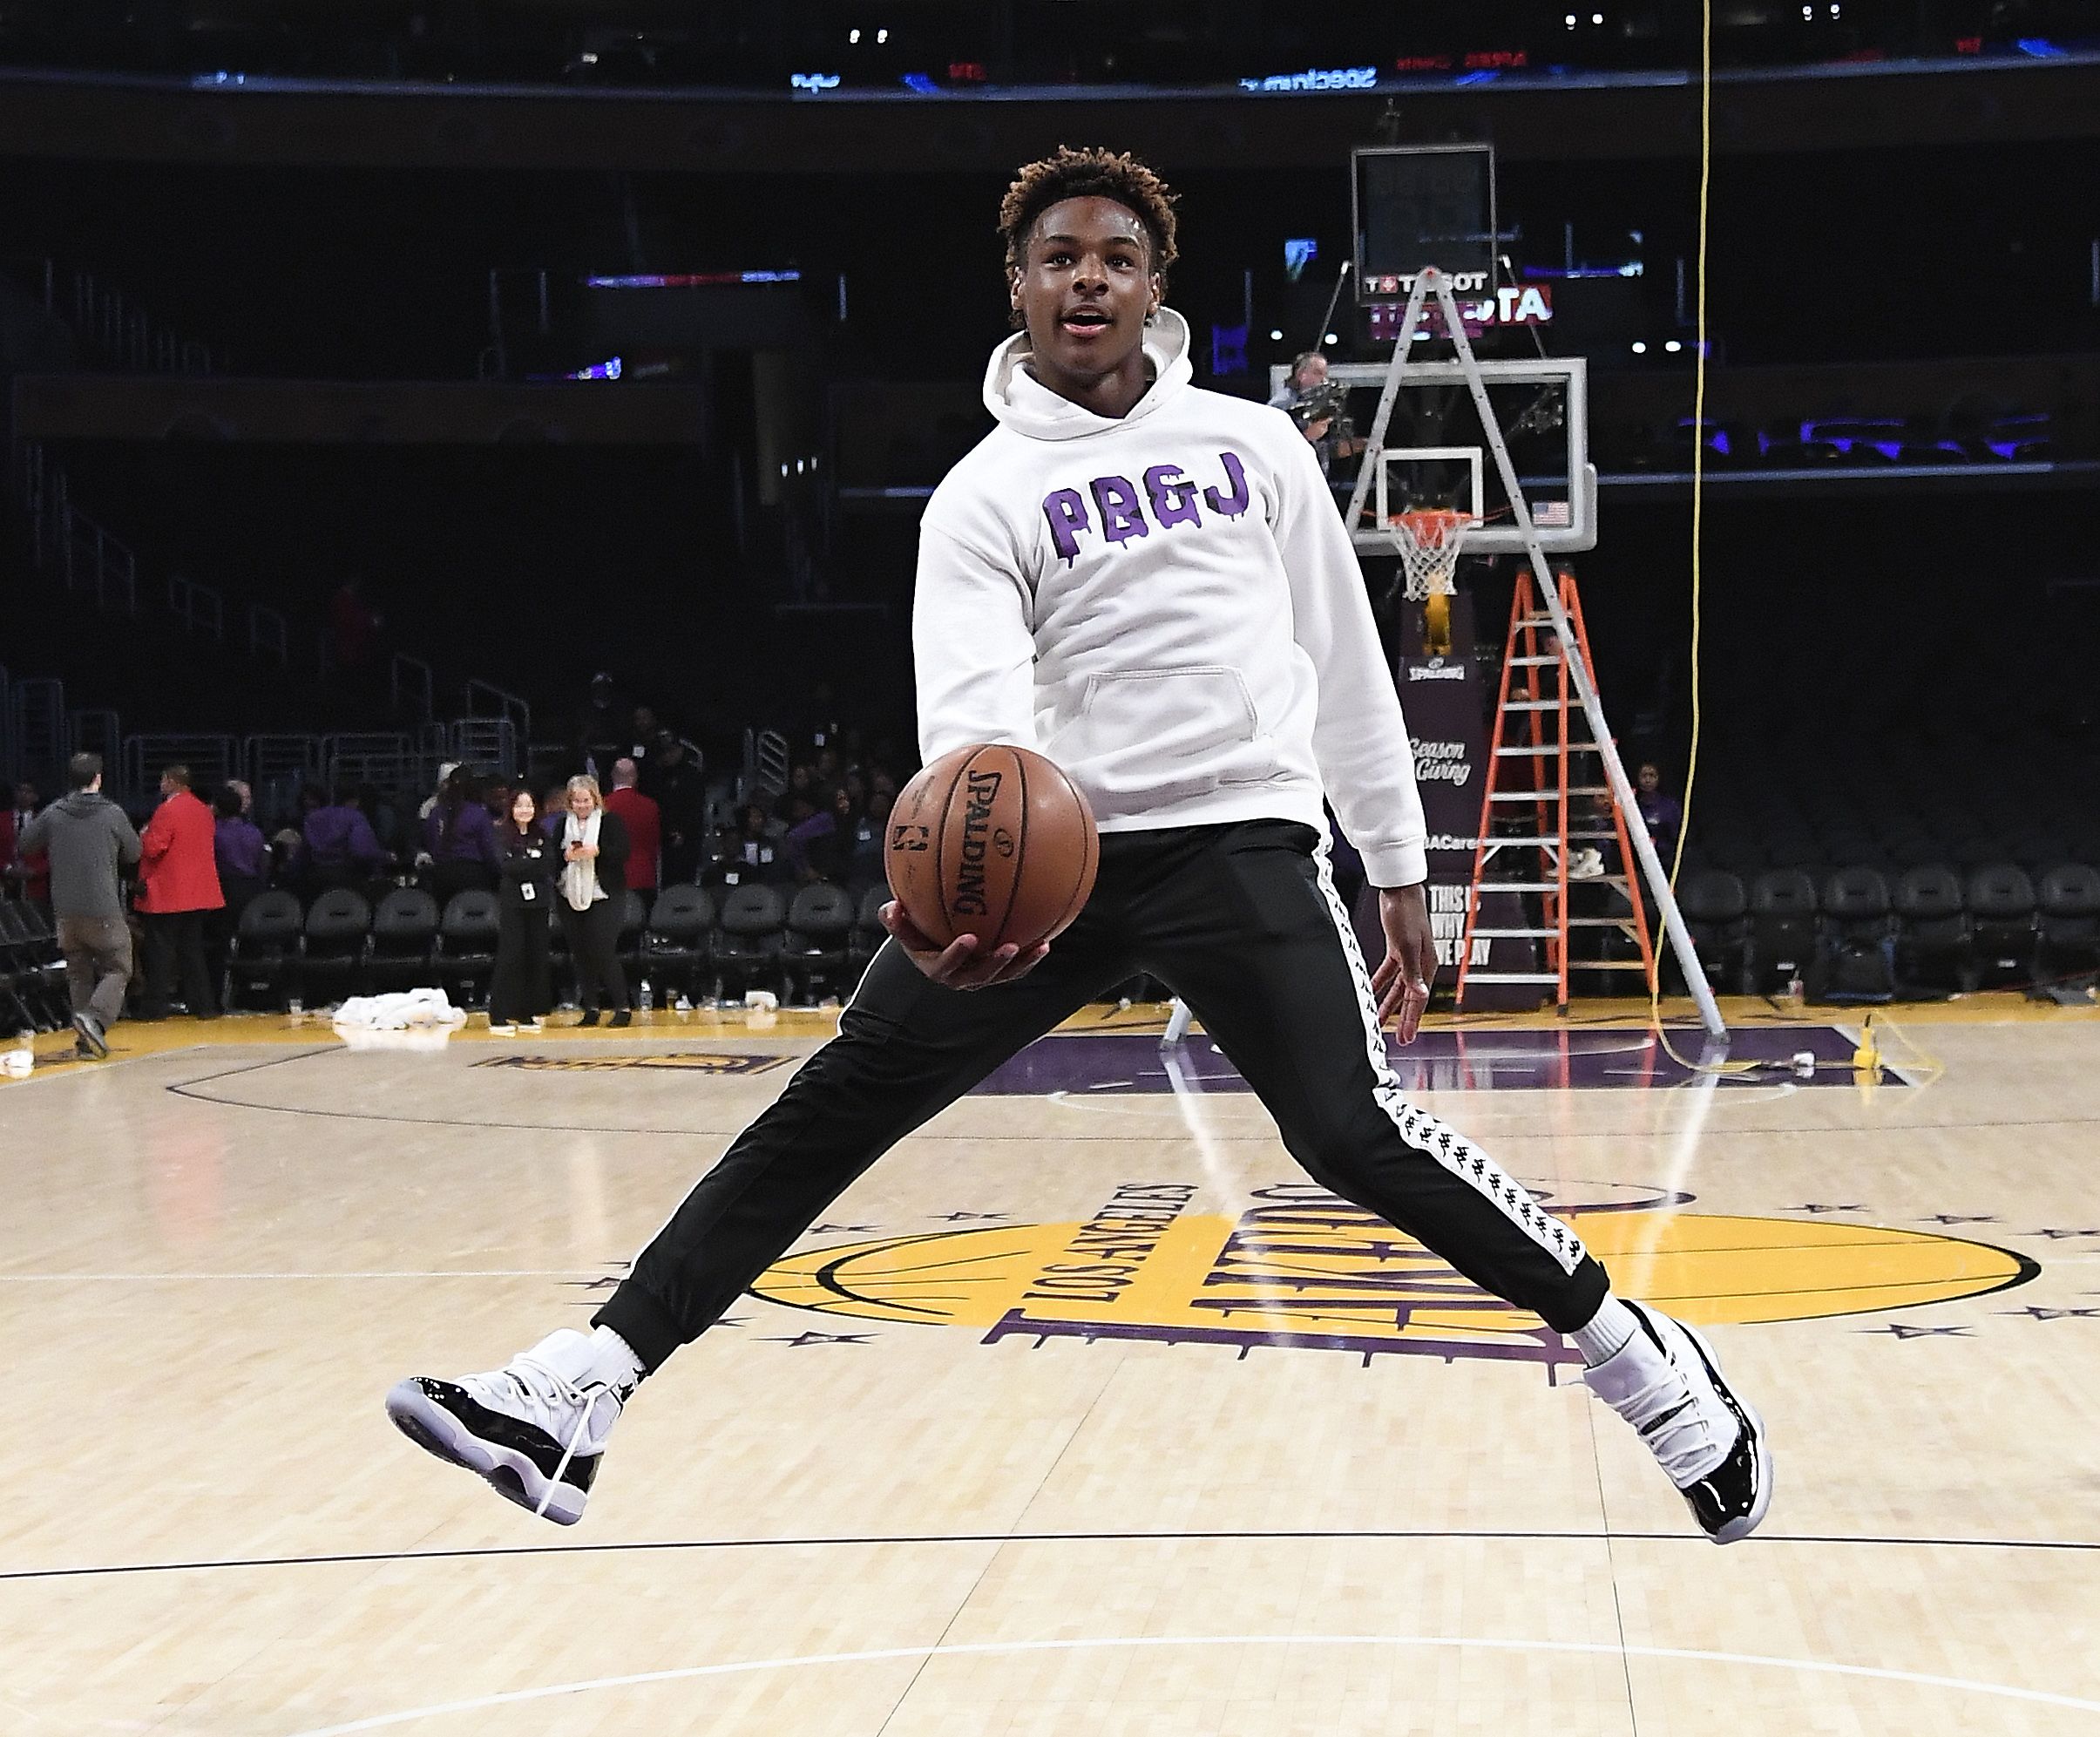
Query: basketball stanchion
x,y
1431,283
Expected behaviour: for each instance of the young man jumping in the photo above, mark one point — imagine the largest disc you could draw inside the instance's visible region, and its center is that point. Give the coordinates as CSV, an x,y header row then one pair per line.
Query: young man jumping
x,y
1150,584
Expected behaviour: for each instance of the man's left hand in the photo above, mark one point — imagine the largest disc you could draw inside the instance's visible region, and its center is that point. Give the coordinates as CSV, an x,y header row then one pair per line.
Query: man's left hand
x,y
1401,982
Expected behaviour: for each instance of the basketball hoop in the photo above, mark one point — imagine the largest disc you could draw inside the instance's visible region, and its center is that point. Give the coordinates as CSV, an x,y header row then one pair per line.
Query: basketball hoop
x,y
1428,540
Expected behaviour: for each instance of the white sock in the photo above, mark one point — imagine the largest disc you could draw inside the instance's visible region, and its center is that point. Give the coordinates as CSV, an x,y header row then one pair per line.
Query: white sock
x,y
1607,1333
613,1360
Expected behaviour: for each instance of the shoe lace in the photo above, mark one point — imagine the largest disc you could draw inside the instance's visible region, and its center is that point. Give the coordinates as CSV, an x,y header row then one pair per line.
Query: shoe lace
x,y
550,1389
1675,1425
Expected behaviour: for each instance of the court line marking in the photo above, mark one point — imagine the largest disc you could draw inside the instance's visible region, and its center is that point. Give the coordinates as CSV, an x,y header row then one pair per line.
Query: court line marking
x,y
498,1552
192,1277
1147,1104
995,1648
187,1088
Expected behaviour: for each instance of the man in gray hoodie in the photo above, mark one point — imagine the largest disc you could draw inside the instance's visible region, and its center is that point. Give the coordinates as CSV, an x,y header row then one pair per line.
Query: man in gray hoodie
x,y
90,843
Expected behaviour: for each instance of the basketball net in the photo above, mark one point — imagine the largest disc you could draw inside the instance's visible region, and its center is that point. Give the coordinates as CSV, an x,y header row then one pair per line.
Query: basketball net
x,y
1428,540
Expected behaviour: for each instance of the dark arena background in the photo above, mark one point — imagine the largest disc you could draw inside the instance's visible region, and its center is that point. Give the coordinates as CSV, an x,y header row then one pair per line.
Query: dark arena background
x,y
408,407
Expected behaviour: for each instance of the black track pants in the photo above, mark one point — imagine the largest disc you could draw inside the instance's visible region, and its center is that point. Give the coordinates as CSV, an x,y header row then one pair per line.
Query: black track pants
x,y
1240,921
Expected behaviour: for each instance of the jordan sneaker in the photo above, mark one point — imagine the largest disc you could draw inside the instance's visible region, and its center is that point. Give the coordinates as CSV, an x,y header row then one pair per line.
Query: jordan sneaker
x,y
535,1429
1667,1383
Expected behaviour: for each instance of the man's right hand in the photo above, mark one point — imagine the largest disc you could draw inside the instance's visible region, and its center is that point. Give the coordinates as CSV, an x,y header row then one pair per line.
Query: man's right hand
x,y
961,964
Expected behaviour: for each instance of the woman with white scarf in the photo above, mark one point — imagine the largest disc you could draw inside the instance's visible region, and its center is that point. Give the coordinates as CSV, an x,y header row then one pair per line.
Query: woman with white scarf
x,y
593,888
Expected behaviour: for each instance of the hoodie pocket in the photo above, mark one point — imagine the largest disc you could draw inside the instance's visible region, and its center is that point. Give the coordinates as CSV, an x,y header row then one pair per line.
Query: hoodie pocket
x,y
1147,737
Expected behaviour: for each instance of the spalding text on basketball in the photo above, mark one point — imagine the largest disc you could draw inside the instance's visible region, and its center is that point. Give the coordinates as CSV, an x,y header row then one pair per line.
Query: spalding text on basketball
x,y
969,900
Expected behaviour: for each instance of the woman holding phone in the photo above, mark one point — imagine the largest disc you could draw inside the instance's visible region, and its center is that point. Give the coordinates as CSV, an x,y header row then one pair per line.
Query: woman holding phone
x,y
592,887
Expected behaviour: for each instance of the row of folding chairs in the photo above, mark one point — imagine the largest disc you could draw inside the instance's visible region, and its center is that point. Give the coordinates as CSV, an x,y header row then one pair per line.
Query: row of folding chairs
x,y
1857,936
685,942
32,976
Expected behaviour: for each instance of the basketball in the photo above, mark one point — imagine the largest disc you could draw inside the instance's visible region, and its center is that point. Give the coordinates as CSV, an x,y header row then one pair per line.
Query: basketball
x,y
994,842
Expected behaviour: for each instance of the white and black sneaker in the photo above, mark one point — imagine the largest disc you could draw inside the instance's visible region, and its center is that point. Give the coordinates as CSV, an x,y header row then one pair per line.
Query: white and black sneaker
x,y
535,1429
1667,1383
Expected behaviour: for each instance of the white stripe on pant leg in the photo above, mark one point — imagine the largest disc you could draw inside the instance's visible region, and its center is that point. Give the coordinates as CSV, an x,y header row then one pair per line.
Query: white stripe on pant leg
x,y
1422,1130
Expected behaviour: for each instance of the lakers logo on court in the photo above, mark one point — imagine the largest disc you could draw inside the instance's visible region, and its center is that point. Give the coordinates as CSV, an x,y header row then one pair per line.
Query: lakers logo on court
x,y
1300,1268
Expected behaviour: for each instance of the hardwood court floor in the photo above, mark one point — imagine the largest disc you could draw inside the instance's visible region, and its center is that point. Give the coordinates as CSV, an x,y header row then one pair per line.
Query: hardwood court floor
x,y
1255,1469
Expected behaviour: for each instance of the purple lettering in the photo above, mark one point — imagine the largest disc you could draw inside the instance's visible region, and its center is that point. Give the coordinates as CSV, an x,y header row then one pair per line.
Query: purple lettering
x,y
1067,513
1121,519
1173,497
1234,503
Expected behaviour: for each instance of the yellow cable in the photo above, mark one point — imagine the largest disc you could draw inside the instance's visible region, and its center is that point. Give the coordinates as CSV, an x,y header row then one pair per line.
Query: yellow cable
x,y
1698,520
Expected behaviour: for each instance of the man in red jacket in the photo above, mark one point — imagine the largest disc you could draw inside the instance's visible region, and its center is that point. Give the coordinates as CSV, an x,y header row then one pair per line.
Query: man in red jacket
x,y
645,828
180,876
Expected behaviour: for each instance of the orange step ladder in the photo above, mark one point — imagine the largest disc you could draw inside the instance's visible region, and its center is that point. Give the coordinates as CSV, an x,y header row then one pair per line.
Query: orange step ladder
x,y
1545,801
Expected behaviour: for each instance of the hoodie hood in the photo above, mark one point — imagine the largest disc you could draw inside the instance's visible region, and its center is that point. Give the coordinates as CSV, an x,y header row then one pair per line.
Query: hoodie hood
x,y
81,804
1023,403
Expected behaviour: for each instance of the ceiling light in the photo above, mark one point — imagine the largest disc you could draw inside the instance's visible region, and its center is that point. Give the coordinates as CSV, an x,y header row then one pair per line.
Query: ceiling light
x,y
1673,346
1275,336
1639,348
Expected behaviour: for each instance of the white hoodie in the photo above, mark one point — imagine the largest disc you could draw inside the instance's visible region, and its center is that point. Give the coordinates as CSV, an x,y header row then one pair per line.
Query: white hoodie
x,y
1168,606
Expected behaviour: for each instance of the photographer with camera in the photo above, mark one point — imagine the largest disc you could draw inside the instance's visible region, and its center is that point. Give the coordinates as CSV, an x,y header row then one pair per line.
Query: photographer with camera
x,y
1320,407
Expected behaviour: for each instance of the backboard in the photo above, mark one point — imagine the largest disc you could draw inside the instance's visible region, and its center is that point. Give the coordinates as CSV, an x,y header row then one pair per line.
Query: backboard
x,y
1437,452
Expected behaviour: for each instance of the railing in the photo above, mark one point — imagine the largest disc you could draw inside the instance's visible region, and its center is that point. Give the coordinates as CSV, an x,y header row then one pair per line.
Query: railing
x,y
386,758
39,728
277,767
200,608
269,635
412,686
117,330
486,743
485,699
97,563
97,730
87,556
771,762
211,759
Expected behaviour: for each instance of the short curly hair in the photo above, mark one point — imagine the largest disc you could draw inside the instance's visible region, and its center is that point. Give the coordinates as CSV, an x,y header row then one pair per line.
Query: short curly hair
x,y
1088,173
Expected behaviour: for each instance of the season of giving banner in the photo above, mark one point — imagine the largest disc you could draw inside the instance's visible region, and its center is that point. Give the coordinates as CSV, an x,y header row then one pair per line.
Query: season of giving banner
x,y
1446,702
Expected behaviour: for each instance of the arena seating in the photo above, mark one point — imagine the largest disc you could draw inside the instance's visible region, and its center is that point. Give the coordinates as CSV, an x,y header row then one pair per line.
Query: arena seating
x,y
817,945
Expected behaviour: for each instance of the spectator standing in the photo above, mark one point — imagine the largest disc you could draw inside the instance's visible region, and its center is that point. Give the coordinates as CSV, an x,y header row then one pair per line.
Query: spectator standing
x,y
594,881
645,828
681,790
338,847
1662,813
177,858
243,856
88,843
460,840
27,874
518,992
